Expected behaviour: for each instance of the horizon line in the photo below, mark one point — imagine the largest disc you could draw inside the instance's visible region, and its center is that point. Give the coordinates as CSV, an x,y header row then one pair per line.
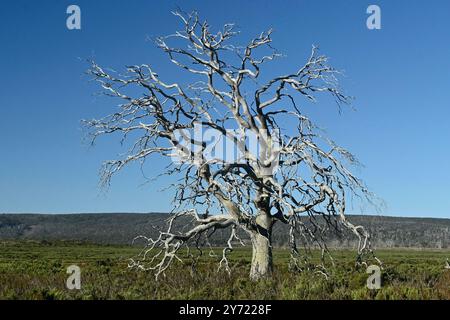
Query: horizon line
x,y
162,212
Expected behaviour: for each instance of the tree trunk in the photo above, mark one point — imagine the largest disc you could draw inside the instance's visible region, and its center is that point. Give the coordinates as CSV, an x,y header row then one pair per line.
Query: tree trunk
x,y
262,265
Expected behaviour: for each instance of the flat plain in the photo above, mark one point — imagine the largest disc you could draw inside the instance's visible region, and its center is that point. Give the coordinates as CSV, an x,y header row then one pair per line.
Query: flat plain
x,y
38,270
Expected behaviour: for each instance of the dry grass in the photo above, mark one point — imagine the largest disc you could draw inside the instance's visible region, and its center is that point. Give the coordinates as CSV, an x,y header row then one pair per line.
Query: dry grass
x,y
31,270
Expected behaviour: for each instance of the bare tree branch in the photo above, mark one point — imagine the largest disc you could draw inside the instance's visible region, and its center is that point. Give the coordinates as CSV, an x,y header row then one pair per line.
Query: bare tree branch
x,y
295,172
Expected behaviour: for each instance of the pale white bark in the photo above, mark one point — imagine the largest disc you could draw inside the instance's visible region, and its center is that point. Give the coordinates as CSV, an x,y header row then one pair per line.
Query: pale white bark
x,y
312,179
262,259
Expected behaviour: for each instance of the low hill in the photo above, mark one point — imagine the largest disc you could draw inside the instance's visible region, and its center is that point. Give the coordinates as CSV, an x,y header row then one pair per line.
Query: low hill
x,y
121,228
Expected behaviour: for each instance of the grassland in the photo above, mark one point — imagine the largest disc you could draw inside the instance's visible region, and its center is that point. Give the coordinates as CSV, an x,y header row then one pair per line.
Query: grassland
x,y
37,270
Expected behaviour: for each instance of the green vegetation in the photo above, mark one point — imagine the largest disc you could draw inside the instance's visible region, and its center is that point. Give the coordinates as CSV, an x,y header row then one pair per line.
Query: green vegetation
x,y
37,270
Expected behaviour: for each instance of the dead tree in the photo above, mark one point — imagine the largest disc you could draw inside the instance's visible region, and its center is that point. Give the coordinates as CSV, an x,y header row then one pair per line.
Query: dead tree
x,y
296,177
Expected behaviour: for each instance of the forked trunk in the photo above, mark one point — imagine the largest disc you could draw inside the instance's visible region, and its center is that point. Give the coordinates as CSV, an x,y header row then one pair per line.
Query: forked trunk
x,y
262,264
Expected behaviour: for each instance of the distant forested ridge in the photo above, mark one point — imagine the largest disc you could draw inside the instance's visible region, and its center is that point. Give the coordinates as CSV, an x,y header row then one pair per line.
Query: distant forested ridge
x,y
121,228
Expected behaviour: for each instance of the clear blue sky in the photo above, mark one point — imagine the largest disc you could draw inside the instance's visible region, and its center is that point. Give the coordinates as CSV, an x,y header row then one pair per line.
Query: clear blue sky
x,y
400,76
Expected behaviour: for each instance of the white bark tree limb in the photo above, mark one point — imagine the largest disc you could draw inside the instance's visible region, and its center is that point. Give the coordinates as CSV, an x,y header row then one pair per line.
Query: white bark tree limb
x,y
311,181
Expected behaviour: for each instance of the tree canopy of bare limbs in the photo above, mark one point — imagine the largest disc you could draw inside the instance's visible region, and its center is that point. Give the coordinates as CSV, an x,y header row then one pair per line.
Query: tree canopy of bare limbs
x,y
296,177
